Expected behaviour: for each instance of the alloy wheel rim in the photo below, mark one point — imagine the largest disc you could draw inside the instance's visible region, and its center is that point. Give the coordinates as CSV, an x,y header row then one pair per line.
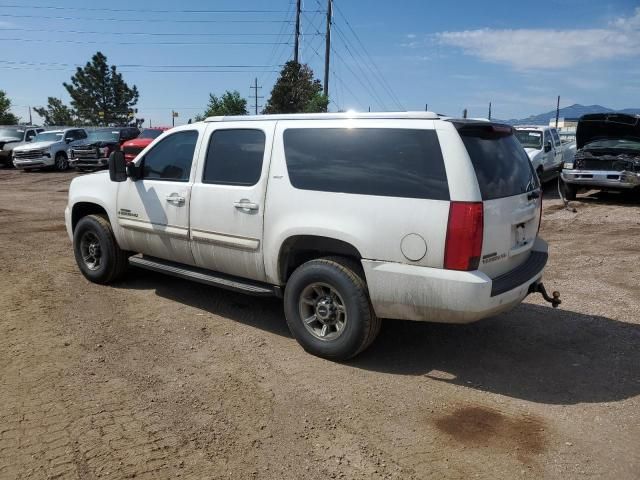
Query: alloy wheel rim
x,y
91,251
323,311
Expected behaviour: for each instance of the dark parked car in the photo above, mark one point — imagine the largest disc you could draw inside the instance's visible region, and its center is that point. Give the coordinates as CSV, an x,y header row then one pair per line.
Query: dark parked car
x,y
11,137
94,152
608,155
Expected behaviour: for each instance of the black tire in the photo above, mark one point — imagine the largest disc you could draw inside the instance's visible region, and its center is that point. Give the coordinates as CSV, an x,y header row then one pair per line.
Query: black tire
x,y
110,261
344,277
61,163
567,191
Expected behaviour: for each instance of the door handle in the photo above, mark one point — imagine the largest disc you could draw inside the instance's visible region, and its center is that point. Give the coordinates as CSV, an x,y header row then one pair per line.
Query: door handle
x,y
175,199
246,206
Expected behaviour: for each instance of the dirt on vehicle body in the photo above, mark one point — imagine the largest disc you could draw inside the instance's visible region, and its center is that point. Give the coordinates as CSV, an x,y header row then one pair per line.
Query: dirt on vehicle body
x,y
160,378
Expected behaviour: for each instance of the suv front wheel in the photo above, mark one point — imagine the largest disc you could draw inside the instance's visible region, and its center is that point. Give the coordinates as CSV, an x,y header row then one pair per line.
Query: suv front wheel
x,y
98,256
328,310
61,162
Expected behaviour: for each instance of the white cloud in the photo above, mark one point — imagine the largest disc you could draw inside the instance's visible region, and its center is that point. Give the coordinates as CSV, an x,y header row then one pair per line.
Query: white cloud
x,y
526,49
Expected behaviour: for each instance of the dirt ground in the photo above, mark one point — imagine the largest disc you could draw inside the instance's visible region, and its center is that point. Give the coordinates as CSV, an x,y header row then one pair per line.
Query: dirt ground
x,y
160,378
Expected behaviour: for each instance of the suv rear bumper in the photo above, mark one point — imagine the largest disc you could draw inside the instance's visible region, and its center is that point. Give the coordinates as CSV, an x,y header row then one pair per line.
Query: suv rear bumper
x,y
411,292
601,178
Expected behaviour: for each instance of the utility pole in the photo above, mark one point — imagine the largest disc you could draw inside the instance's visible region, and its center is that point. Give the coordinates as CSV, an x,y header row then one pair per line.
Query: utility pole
x,y
558,111
30,119
255,87
327,50
426,107
296,48
464,113
489,110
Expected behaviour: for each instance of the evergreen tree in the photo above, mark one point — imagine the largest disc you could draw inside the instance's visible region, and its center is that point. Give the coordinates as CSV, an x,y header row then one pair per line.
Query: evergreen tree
x,y
6,117
56,113
296,91
99,94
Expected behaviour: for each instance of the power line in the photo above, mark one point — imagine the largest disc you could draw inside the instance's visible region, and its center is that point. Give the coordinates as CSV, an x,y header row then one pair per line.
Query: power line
x,y
364,73
375,66
138,65
140,10
159,34
101,42
373,93
49,17
39,69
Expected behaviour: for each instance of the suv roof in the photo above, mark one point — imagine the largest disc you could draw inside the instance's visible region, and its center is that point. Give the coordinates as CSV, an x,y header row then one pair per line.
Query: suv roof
x,y
327,116
532,127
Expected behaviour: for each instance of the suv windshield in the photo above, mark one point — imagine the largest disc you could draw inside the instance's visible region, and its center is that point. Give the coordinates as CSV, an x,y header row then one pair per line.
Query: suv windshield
x,y
614,143
501,164
11,132
530,138
150,133
103,135
48,137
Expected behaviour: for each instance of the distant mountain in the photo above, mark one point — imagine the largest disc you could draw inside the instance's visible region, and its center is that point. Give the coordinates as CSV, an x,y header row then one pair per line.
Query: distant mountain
x,y
574,111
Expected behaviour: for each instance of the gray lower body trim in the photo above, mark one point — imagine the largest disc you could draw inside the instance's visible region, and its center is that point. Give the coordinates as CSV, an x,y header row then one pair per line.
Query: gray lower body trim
x,y
206,277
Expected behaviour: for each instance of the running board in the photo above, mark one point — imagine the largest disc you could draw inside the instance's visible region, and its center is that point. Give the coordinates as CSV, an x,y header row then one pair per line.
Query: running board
x,y
207,277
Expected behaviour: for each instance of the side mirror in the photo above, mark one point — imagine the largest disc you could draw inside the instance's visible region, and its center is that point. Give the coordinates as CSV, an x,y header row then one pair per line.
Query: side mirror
x,y
547,147
117,167
68,140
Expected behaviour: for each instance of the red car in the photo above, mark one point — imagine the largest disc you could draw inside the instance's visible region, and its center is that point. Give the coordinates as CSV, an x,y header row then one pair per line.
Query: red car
x,y
133,147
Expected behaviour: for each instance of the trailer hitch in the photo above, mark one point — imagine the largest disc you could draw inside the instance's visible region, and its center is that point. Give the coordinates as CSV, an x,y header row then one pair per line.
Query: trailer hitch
x,y
554,299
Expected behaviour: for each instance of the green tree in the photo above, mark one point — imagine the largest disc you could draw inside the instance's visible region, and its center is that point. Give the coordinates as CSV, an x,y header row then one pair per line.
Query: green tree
x,y
296,91
6,117
56,113
99,94
230,103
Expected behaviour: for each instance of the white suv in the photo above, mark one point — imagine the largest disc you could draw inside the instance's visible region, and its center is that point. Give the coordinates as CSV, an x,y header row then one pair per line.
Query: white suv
x,y
350,217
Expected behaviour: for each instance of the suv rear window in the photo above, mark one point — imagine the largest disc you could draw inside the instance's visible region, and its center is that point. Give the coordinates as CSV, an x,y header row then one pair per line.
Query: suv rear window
x,y
367,161
502,166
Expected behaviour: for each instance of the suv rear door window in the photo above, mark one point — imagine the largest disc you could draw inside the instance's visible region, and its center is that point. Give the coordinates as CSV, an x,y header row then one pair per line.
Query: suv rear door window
x,y
234,157
389,162
502,167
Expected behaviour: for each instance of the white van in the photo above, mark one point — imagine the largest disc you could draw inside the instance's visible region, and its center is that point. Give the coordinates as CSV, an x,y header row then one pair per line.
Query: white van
x,y
350,217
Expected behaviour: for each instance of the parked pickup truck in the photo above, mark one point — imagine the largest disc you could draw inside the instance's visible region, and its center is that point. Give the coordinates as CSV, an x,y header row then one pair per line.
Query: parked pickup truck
x,y
608,155
545,150
48,149
350,217
93,153
12,137
133,147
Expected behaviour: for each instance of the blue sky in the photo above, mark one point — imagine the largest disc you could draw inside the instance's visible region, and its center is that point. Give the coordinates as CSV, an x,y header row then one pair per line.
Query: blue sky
x,y
451,55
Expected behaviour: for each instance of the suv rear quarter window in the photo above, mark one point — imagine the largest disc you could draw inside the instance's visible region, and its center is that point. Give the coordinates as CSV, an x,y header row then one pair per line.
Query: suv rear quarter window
x,y
390,162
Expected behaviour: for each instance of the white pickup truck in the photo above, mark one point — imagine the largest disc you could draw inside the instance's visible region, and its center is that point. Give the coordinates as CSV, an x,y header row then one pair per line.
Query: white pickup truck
x,y
545,149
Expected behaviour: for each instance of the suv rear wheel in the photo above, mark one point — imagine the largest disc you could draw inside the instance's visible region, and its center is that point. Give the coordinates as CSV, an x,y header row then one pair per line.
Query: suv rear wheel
x,y
98,256
328,310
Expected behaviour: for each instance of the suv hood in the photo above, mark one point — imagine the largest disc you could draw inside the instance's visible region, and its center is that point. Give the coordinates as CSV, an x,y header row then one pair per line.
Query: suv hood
x,y
597,126
36,145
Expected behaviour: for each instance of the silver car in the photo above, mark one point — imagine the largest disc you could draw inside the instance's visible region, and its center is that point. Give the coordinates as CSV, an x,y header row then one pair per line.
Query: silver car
x,y
48,149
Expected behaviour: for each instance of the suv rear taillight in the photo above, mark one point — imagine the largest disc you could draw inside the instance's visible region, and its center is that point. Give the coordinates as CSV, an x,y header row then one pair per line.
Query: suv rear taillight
x,y
464,236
